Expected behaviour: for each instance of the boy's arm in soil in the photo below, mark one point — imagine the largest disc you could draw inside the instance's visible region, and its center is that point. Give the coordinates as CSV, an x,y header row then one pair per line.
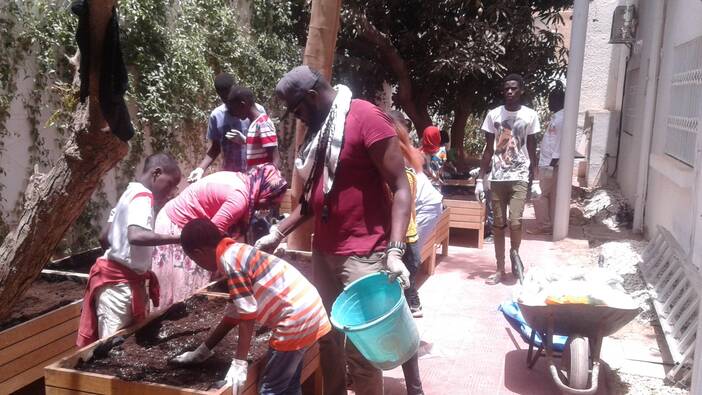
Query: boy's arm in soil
x,y
221,330
246,330
139,236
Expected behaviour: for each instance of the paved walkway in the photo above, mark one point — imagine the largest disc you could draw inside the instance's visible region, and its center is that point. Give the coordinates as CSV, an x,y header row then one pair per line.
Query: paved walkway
x,y
467,347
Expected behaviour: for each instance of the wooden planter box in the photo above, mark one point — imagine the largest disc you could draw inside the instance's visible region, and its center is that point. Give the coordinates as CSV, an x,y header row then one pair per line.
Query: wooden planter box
x,y
440,236
61,377
466,213
26,348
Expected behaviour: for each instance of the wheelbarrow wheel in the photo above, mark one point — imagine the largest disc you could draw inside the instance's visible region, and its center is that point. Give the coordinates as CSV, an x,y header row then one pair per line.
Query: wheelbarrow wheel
x,y
576,358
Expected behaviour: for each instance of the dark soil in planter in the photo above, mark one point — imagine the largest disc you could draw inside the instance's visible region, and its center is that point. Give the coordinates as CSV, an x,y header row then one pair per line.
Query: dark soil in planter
x,y
47,293
144,356
78,263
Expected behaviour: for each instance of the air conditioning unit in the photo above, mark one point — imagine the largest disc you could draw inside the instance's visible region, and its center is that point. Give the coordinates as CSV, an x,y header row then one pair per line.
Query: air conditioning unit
x,y
623,25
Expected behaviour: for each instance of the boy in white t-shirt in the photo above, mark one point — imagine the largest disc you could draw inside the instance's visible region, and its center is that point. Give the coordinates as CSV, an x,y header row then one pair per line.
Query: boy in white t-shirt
x,y
508,164
116,290
261,139
544,204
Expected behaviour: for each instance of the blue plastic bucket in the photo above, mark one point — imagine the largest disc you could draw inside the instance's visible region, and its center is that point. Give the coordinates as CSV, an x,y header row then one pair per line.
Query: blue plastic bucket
x,y
373,314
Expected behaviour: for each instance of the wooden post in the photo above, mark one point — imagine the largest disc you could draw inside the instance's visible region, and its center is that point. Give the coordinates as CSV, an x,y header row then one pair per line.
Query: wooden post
x,y
55,200
319,54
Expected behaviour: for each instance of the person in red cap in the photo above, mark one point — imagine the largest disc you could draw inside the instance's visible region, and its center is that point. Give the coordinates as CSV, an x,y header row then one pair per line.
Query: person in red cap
x,y
435,155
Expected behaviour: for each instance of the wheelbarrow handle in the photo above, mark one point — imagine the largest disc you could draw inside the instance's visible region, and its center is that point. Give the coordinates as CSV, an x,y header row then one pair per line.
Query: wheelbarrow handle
x,y
590,391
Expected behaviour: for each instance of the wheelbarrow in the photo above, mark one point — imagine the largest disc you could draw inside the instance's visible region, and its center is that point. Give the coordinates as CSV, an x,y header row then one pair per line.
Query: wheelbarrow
x,y
585,325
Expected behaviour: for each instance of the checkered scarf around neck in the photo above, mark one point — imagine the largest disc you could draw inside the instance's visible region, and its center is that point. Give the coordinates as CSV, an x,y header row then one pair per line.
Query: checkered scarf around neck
x,y
320,151
265,184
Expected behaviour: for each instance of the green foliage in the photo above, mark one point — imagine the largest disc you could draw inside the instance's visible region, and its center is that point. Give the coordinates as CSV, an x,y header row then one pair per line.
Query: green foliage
x,y
455,52
172,50
474,140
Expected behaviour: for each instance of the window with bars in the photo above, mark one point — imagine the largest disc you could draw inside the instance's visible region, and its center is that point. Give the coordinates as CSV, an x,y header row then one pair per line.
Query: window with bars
x,y
685,102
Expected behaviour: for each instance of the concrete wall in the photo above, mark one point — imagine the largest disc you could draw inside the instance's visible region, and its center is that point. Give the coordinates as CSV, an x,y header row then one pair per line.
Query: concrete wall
x,y
600,95
674,195
15,159
601,59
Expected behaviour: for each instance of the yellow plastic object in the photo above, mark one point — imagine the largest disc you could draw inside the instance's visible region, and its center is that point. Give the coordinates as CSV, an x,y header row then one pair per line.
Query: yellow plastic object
x,y
568,299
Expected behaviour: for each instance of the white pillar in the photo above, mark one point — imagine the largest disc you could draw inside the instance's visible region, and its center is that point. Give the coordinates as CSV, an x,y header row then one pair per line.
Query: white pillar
x,y
570,118
648,114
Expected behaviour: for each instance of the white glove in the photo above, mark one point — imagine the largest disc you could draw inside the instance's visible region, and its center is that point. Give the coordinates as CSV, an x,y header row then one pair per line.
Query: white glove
x,y
271,240
201,354
479,190
236,375
235,136
397,269
196,174
535,188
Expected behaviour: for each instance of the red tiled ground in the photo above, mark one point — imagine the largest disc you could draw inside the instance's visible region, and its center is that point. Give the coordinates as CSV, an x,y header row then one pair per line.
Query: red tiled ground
x,y
467,346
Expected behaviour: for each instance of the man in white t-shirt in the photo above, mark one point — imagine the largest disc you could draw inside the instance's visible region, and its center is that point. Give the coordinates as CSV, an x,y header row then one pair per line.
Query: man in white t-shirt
x,y
508,163
116,290
544,204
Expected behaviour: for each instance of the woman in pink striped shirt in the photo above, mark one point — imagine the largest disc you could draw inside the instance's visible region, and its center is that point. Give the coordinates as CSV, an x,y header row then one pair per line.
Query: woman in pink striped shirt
x,y
228,199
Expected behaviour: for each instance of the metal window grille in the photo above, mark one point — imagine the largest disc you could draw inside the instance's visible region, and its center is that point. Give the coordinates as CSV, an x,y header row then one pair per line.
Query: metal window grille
x,y
685,101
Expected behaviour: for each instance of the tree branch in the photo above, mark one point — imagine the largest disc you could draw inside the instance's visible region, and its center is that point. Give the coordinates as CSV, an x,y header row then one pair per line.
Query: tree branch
x,y
417,112
58,198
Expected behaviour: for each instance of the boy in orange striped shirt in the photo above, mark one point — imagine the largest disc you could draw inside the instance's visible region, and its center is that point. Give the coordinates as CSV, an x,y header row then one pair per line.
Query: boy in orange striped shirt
x,y
262,288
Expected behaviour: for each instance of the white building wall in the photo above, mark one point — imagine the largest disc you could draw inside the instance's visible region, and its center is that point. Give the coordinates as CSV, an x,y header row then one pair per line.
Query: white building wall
x,y
601,59
674,193
600,96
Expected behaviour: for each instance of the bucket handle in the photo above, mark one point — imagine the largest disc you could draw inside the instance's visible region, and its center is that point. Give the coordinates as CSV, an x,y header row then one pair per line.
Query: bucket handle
x,y
397,279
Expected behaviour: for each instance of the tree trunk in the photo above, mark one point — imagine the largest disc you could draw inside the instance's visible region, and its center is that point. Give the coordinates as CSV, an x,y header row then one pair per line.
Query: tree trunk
x,y
414,104
319,54
458,128
55,200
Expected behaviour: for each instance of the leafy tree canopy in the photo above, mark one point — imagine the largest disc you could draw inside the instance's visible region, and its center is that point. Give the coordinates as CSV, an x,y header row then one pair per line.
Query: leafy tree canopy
x,y
447,57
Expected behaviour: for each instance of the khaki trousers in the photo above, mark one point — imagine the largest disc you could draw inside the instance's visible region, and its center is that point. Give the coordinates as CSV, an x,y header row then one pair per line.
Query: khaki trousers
x,y
545,204
505,194
331,274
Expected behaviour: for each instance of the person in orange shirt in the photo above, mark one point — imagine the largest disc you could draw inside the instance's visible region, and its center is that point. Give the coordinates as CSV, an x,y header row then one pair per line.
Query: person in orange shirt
x,y
264,289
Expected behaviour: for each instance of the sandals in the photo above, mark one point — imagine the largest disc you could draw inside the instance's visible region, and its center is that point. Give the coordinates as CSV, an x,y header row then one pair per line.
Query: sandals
x,y
495,278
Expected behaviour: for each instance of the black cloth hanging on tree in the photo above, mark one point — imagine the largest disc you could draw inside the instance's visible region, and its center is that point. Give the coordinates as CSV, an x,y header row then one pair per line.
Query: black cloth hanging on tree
x,y
114,79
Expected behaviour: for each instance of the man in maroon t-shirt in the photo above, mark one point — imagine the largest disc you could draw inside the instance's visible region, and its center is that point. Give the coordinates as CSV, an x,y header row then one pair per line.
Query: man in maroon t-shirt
x,y
359,230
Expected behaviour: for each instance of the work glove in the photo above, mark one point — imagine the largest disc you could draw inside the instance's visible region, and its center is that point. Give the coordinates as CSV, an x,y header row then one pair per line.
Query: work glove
x,y
535,188
236,375
480,190
269,242
395,267
201,354
196,174
235,136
